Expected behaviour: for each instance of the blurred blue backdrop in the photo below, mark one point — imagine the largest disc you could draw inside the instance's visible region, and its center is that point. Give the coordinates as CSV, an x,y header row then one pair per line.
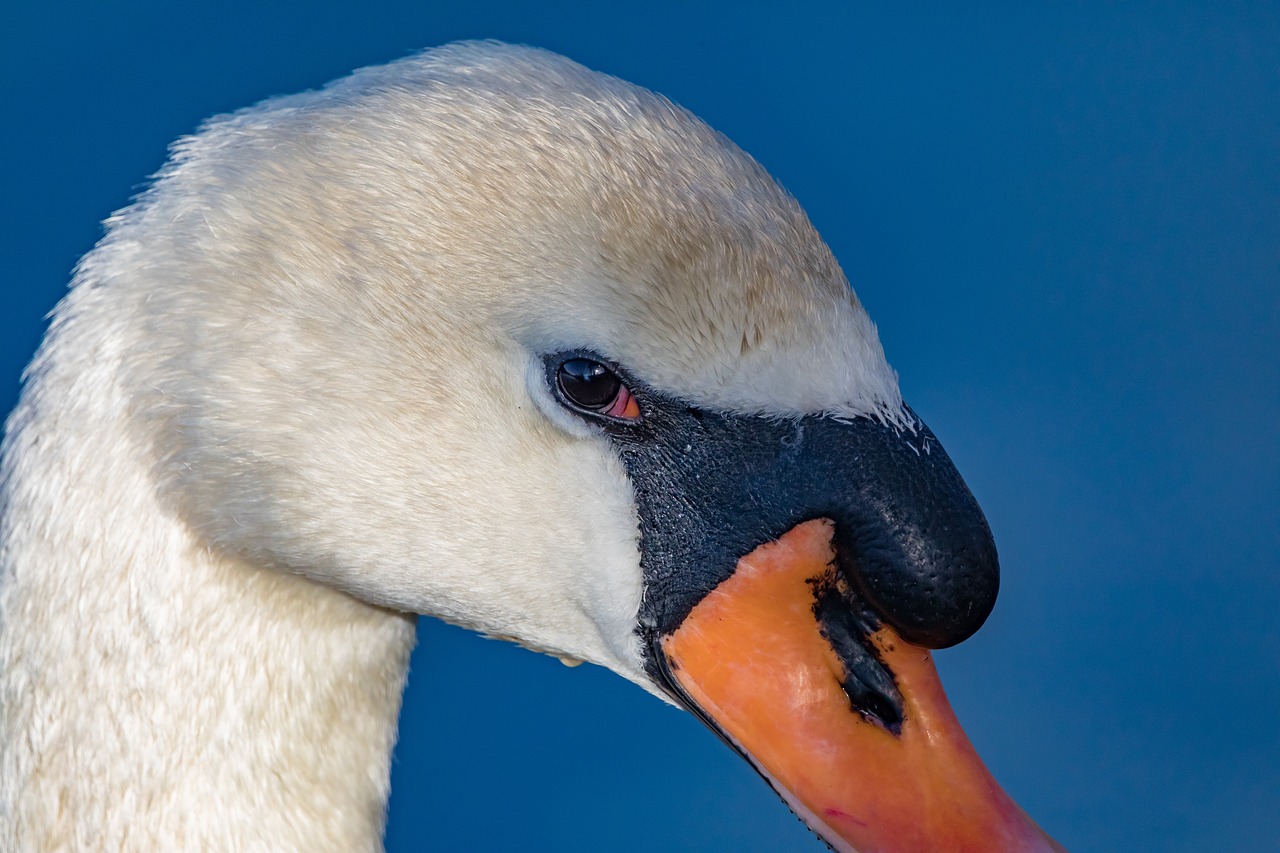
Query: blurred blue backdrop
x,y
1066,222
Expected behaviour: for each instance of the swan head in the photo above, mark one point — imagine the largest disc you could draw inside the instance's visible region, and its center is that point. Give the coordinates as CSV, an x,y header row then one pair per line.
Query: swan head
x,y
485,335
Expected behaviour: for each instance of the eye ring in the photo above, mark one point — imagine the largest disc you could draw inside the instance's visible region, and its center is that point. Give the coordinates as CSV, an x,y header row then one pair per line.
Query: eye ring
x,y
591,386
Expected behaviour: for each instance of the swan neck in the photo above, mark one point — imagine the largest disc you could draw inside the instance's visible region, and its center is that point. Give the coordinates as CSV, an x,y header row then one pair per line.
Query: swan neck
x,y
155,695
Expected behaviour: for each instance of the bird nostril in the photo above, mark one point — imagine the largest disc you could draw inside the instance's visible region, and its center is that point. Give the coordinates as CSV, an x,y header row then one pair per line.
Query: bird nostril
x,y
847,625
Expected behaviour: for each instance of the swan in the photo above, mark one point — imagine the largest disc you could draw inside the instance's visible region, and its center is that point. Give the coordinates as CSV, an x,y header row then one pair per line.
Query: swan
x,y
484,335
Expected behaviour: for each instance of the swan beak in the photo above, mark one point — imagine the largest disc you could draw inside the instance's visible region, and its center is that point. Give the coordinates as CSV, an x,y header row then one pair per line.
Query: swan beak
x,y
847,721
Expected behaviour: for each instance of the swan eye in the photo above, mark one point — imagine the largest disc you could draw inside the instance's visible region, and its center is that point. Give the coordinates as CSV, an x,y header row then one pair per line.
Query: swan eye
x,y
591,385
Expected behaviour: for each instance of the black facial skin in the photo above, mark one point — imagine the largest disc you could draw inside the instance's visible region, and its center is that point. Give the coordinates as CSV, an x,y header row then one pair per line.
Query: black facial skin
x,y
710,487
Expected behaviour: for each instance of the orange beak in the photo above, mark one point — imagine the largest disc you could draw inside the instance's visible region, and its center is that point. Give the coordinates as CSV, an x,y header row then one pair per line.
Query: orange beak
x,y
754,659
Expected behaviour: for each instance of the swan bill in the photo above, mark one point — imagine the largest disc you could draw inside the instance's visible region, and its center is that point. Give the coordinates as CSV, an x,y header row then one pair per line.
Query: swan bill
x,y
872,766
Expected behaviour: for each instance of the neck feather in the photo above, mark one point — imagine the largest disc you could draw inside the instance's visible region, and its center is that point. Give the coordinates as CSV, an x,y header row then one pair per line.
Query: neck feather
x,y
155,695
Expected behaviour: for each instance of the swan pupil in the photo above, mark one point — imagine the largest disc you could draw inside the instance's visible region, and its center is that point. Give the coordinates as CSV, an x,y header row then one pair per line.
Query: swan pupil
x,y
588,383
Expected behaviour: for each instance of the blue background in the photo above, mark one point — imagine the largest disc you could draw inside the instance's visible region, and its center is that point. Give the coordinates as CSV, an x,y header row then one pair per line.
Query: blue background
x,y
1065,221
